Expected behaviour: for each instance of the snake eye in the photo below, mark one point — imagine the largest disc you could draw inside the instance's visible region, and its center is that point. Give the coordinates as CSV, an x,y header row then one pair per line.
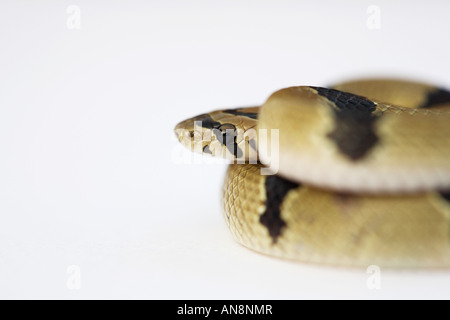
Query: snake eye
x,y
228,132
227,126
225,132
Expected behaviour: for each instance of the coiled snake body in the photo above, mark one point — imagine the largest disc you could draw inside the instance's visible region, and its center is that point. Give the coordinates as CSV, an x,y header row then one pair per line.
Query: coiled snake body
x,y
362,172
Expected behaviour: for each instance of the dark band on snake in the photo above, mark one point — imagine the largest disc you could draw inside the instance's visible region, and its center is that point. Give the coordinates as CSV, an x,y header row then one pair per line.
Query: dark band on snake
x,y
226,137
354,129
237,112
207,122
276,189
446,195
436,97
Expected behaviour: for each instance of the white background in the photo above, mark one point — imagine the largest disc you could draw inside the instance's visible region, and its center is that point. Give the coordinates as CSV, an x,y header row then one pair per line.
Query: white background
x,y
89,168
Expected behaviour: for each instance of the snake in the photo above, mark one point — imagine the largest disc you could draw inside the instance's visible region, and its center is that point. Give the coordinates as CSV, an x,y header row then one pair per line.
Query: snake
x,y
354,174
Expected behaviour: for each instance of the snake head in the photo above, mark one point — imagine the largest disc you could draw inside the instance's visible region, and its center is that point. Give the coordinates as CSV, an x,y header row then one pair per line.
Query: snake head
x,y
227,133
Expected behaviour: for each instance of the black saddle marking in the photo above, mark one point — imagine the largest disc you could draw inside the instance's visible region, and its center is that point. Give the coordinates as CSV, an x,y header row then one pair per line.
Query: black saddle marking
x,y
276,190
354,129
436,97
